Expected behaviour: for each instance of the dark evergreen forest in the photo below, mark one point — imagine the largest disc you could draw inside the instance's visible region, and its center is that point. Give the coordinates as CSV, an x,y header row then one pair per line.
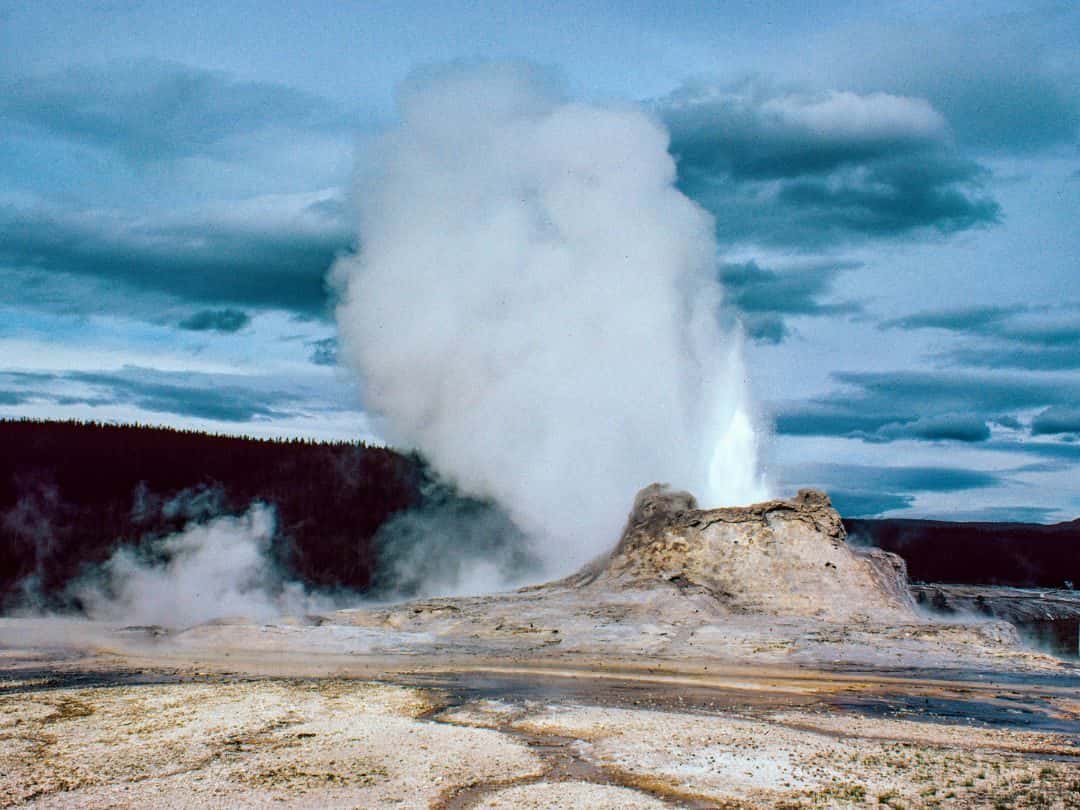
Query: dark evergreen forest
x,y
1018,554
71,493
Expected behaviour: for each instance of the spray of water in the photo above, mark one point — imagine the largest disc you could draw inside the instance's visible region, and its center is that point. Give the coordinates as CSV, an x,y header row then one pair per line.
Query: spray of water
x,y
534,308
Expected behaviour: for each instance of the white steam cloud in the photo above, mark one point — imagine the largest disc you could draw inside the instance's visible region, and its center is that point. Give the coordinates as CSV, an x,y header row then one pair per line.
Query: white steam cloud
x,y
534,307
220,568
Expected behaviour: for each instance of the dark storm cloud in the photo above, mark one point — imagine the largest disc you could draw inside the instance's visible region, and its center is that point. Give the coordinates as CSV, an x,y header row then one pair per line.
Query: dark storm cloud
x,y
793,167
759,130
1055,420
184,394
893,197
13,397
933,406
216,320
764,296
149,111
199,259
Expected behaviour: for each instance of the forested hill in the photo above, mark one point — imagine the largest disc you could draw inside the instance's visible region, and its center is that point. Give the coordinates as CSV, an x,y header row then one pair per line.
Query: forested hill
x,y
70,493
1019,554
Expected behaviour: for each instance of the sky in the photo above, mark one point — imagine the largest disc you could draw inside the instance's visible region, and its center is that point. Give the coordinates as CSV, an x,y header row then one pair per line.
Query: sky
x,y
896,189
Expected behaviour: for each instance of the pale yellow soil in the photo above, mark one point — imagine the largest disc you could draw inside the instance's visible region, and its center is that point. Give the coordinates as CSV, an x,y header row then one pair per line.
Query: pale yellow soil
x,y
766,762
299,744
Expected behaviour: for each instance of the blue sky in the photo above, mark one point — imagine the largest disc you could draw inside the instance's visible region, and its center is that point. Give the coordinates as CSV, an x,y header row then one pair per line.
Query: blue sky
x,y
896,188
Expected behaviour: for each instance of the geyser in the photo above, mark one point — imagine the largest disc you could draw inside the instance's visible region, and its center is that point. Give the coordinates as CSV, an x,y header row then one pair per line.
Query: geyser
x,y
534,307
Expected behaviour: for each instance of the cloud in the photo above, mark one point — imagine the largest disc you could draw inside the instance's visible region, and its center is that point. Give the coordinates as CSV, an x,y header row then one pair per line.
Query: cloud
x,y
270,251
859,490
957,319
1017,323
324,352
206,396
1006,82
216,320
1028,358
151,111
933,406
764,296
1055,420
1016,336
907,479
854,503
790,166
950,426
1065,453
894,196
757,130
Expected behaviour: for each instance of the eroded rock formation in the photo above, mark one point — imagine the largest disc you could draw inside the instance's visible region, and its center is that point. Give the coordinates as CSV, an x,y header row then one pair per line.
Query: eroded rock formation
x,y
785,558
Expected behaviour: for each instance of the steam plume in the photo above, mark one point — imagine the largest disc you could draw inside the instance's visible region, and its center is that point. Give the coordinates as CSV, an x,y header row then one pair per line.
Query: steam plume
x,y
533,308
218,568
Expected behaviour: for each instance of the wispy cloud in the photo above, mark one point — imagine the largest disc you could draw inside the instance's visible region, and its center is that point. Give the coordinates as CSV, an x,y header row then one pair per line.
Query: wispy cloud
x,y
271,251
221,398
152,111
1005,336
933,406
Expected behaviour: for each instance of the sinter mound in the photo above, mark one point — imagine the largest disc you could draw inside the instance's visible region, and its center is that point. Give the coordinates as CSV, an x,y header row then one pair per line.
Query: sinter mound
x,y
785,558
770,583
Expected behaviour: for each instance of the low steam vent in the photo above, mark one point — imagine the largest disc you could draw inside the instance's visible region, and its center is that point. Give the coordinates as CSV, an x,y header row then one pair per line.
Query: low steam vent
x,y
786,558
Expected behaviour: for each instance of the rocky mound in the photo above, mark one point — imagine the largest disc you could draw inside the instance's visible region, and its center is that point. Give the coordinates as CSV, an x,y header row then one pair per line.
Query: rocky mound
x,y
770,583
784,558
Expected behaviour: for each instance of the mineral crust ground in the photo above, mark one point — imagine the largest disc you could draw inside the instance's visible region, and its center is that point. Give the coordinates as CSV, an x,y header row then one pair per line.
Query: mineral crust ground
x,y
734,658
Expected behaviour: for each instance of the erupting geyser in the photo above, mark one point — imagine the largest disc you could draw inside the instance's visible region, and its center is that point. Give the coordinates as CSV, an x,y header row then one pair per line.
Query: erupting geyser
x,y
534,307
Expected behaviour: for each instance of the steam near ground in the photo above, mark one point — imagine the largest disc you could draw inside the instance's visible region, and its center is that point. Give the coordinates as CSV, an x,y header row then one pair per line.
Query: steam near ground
x,y
229,565
218,568
534,308
449,546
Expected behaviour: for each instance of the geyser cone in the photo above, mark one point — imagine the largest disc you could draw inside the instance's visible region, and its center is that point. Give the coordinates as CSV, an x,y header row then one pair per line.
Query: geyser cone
x,y
786,558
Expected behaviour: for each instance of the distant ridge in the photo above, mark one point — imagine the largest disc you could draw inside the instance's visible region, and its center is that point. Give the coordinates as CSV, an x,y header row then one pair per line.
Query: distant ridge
x,y
1025,555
